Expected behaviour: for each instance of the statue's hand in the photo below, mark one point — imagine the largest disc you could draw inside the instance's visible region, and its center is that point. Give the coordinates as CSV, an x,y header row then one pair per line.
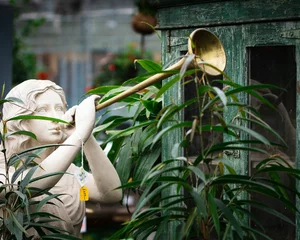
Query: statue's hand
x,y
85,117
69,117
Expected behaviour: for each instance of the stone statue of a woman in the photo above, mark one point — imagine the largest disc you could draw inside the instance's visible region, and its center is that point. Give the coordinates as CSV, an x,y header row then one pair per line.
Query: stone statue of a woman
x,y
45,98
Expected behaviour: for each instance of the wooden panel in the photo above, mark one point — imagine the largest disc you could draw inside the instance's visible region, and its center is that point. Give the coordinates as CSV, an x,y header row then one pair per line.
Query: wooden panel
x,y
227,13
298,135
239,25
172,3
173,95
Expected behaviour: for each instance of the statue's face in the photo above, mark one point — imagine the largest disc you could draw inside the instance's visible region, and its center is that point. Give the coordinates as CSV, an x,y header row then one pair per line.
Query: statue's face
x,y
49,104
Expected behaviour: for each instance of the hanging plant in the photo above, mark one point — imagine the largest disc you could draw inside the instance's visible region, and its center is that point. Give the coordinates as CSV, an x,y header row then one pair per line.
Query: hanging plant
x,y
144,21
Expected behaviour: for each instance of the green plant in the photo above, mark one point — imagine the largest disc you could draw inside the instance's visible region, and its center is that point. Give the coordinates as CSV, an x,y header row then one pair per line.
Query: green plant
x,y
20,203
203,197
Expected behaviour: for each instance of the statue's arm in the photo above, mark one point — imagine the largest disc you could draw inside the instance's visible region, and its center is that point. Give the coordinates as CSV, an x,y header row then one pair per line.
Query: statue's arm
x,y
58,161
104,180
61,158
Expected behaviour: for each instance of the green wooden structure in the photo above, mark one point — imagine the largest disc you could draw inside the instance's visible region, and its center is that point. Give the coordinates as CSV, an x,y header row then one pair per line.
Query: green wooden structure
x,y
262,43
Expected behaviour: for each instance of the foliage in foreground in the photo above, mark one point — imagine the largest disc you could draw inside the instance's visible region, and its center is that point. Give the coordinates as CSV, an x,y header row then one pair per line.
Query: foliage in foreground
x,y
203,196
21,210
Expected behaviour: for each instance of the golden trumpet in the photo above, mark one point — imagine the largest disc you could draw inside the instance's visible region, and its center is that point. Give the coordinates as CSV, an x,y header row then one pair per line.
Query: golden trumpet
x,y
206,47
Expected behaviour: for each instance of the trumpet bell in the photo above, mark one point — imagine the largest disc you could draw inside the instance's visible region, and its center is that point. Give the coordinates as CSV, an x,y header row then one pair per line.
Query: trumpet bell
x,y
208,49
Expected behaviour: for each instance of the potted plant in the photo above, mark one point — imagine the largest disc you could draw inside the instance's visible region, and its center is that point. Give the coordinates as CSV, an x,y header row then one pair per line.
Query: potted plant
x,y
144,20
212,200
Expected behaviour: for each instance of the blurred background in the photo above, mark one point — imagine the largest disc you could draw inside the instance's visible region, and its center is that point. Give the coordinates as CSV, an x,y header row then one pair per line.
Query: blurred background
x,y
80,45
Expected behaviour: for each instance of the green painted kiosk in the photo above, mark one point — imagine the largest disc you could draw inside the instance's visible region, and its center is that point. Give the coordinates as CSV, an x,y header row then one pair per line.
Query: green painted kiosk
x,y
262,44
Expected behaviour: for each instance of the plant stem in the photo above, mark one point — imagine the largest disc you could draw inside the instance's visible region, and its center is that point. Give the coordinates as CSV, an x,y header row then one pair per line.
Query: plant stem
x,y
226,231
7,181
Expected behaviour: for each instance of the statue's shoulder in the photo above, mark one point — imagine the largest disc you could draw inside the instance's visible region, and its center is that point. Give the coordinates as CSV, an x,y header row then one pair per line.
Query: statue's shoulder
x,y
72,169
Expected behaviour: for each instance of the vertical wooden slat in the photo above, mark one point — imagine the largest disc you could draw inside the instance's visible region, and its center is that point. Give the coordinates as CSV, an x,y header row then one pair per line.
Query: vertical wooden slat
x,y
172,96
298,134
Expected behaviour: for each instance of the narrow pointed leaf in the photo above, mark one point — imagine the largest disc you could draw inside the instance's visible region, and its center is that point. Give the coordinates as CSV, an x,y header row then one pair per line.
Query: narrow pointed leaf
x,y
148,65
221,95
27,133
230,217
200,203
213,211
28,117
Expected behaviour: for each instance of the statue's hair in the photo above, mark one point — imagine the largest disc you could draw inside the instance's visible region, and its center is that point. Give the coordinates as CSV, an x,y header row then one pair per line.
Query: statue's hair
x,y
27,92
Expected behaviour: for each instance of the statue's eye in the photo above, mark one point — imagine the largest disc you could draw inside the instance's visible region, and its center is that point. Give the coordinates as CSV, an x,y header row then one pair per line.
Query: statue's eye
x,y
41,109
59,108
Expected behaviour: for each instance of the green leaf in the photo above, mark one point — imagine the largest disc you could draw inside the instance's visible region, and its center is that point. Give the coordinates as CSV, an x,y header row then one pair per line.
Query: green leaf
x,y
213,211
162,226
27,133
190,221
200,203
11,99
152,106
169,128
128,131
102,127
204,89
14,223
47,226
188,60
271,160
293,171
116,120
145,162
267,209
250,132
60,236
38,215
265,126
173,179
256,232
198,173
221,95
116,91
146,137
28,117
148,65
242,89
47,199
24,153
21,195
142,77
161,169
124,163
101,90
24,182
47,175
146,196
29,157
167,86
230,217
115,149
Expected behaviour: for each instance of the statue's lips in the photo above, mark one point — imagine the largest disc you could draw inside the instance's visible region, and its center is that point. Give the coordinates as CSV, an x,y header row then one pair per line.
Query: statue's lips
x,y
54,129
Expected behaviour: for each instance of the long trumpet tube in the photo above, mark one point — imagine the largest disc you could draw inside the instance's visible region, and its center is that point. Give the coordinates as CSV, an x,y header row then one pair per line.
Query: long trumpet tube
x,y
206,47
142,85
